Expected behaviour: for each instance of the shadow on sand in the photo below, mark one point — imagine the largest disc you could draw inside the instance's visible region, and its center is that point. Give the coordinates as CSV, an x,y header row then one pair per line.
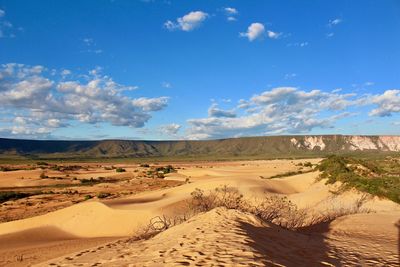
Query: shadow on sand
x,y
289,248
398,241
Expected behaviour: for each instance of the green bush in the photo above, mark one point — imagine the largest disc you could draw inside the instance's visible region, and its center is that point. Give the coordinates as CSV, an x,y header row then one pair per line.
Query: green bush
x,y
120,170
103,195
371,177
56,168
160,175
307,164
286,174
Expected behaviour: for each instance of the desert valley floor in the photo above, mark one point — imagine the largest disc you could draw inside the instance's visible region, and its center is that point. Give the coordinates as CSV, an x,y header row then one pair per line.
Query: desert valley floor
x,y
87,214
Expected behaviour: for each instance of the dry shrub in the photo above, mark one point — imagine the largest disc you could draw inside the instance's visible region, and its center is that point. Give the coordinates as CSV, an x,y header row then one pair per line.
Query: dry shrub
x,y
159,224
334,212
272,208
223,196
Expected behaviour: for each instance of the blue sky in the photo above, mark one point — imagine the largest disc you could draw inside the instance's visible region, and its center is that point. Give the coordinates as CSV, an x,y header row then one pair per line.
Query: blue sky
x,y
198,69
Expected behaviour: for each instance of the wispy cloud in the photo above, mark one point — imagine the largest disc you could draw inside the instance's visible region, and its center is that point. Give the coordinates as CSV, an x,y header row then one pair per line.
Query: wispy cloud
x,y
290,76
274,35
297,44
231,10
7,29
331,24
334,22
231,13
369,83
166,84
330,35
91,46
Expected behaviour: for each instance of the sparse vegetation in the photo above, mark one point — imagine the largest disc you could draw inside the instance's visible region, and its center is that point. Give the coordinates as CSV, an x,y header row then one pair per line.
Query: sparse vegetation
x,y
286,174
377,177
308,164
55,168
92,181
275,209
5,169
120,170
159,172
103,195
13,195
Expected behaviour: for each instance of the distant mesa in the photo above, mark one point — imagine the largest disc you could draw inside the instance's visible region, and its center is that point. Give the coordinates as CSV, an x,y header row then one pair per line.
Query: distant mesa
x,y
255,147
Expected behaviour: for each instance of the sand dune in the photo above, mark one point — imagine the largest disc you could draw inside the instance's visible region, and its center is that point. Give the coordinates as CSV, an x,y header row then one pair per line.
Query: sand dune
x,y
248,240
120,217
224,237
89,219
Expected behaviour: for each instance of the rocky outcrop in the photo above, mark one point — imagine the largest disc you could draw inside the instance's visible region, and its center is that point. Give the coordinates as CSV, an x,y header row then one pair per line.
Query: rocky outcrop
x,y
348,143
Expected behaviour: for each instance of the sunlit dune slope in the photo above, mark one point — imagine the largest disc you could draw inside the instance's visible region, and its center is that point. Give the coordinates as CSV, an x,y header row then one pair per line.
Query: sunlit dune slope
x,y
232,238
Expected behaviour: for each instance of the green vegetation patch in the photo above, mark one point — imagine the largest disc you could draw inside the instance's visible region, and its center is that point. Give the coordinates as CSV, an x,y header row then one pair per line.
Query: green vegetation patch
x,y
289,173
120,170
380,177
91,181
103,195
12,195
159,172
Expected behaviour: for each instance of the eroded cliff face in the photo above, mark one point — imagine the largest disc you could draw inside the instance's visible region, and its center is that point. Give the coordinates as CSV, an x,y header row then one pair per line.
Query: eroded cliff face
x,y
348,143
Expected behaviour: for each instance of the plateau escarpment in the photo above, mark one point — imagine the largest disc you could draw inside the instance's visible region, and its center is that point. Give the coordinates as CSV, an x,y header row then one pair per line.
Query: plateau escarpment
x,y
261,147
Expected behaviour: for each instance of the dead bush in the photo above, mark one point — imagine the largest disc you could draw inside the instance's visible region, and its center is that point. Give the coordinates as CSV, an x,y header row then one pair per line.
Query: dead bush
x,y
200,202
159,224
272,208
224,196
335,211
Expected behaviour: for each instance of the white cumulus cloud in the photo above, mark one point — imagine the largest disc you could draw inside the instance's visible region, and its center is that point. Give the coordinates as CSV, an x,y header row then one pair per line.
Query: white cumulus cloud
x,y
188,22
254,31
214,111
41,102
170,129
231,10
230,13
276,111
388,103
